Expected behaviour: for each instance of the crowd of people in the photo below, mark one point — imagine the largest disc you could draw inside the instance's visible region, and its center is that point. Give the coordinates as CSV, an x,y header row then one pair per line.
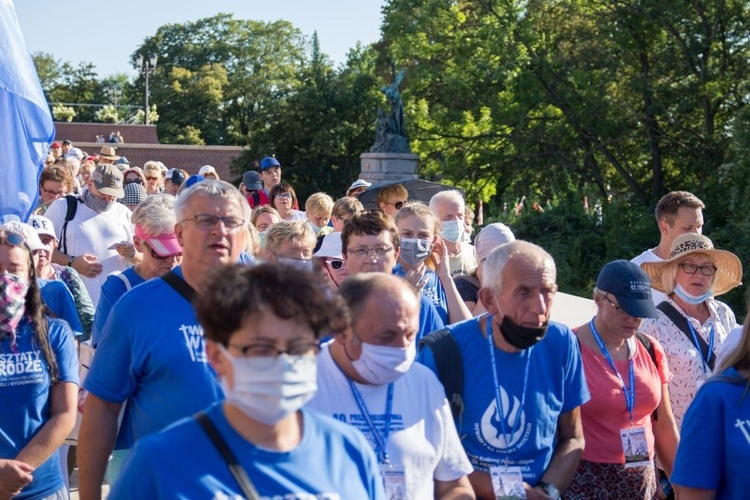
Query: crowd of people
x,y
245,348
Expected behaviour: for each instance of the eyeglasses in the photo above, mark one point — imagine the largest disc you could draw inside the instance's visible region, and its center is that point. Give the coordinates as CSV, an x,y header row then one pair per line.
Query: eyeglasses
x,y
335,264
54,193
152,178
159,257
271,351
12,239
206,222
616,307
378,252
706,269
284,196
398,204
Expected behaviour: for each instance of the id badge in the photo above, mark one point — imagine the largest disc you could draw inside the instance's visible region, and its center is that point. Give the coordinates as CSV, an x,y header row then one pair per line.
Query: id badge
x,y
394,481
507,483
635,447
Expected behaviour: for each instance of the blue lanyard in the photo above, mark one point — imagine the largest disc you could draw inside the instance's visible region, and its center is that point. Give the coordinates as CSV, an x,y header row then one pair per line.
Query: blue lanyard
x,y
498,399
380,440
629,394
711,337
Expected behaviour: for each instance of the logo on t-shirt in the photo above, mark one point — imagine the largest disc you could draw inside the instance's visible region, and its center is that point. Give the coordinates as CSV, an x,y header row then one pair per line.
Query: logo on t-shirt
x,y
194,341
21,368
744,426
517,430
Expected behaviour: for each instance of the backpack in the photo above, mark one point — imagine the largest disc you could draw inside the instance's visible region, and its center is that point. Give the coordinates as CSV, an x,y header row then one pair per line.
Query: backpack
x,y
69,216
450,369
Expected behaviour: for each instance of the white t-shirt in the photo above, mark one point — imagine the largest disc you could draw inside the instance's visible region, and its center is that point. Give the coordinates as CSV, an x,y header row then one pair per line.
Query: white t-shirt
x,y
730,344
93,233
297,215
465,261
423,438
650,256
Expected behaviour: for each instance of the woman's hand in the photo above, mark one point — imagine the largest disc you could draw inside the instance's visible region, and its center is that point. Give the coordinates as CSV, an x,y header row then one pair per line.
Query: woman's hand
x,y
14,476
440,258
416,276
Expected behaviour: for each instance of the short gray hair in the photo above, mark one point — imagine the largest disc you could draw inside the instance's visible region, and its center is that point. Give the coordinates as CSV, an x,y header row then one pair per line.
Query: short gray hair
x,y
155,214
492,270
214,189
450,195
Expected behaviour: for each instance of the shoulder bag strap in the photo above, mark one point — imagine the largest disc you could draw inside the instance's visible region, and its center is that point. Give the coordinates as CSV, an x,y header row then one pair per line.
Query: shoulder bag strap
x,y
235,468
449,365
682,323
180,285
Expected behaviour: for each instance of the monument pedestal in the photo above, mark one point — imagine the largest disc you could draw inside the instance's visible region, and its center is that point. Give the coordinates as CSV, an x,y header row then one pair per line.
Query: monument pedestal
x,y
381,167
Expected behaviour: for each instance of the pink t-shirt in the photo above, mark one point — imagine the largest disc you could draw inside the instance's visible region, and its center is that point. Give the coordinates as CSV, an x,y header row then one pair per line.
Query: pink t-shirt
x,y
606,413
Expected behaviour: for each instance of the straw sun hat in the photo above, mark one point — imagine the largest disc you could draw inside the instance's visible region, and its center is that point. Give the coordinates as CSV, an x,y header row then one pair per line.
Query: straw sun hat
x,y
728,266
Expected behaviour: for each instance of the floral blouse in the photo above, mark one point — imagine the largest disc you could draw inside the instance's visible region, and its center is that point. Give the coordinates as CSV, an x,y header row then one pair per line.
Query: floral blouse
x,y
683,356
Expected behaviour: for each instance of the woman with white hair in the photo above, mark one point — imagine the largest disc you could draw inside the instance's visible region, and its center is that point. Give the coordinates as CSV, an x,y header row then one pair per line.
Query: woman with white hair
x,y
692,325
154,179
154,221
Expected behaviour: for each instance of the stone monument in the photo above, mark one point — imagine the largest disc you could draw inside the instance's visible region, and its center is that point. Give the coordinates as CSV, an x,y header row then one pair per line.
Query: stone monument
x,y
390,158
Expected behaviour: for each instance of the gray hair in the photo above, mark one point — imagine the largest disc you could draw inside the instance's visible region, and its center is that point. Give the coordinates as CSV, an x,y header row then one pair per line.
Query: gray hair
x,y
492,270
214,189
156,214
451,195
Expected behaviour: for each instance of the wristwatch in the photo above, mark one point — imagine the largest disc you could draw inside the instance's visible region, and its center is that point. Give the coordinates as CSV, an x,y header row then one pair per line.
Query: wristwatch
x,y
70,260
550,489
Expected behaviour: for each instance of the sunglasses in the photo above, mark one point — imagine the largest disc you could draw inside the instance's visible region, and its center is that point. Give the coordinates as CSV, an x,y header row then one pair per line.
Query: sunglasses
x,y
159,257
12,239
335,264
152,178
398,204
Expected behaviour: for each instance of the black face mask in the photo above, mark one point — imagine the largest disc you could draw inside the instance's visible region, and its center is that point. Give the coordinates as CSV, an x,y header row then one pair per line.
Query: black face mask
x,y
521,337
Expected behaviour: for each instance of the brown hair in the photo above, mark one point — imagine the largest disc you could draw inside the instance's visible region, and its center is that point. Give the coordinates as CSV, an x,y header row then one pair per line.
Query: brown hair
x,y
369,222
281,187
670,204
59,174
393,191
237,292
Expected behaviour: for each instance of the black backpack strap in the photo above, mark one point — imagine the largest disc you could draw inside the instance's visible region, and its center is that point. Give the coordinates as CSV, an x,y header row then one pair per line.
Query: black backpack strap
x,y
646,342
256,199
69,216
449,365
180,285
682,323
222,447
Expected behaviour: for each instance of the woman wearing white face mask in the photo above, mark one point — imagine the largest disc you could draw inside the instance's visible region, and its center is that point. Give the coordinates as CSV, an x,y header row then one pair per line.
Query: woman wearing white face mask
x,y
261,327
423,260
692,325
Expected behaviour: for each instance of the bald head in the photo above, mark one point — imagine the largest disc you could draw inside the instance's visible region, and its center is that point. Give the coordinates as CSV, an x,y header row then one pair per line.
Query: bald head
x,y
360,289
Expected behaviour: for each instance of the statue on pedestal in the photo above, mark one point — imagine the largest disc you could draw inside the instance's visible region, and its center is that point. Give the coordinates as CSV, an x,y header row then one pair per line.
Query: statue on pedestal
x,y
390,132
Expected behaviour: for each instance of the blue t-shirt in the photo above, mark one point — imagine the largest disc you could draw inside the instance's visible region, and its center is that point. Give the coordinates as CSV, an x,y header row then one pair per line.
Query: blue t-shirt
x,y
333,461
429,319
155,358
714,450
25,398
432,289
112,290
556,385
60,302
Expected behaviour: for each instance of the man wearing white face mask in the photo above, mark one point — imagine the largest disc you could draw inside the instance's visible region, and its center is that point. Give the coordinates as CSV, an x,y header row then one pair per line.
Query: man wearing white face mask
x,y
368,379
261,326
291,243
450,208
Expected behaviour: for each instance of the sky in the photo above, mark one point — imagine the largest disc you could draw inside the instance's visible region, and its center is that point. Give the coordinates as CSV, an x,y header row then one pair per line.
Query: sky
x,y
106,32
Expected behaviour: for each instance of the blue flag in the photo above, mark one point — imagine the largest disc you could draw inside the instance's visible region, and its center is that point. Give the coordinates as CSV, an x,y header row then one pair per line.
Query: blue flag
x,y
26,126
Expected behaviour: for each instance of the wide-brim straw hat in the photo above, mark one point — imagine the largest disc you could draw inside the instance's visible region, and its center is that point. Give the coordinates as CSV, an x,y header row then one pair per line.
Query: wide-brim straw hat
x,y
728,265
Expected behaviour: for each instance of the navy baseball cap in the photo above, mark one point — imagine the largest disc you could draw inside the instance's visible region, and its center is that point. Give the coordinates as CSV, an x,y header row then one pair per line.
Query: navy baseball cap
x,y
630,285
252,181
268,162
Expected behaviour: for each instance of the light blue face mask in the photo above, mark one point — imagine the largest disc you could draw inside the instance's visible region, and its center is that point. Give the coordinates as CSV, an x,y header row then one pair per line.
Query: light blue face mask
x,y
453,230
301,264
262,238
315,228
690,298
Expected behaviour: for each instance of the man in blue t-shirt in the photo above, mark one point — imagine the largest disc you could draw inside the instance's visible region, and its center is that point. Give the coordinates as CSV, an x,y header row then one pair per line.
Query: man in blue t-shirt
x,y
369,244
520,423
157,362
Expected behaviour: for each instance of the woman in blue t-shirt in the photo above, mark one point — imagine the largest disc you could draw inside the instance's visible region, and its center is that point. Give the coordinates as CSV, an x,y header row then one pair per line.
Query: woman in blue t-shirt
x,y
38,380
714,452
423,260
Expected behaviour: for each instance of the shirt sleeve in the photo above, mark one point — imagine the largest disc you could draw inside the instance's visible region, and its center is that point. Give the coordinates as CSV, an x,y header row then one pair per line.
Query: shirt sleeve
x,y
138,476
700,455
429,319
453,463
64,347
576,389
112,289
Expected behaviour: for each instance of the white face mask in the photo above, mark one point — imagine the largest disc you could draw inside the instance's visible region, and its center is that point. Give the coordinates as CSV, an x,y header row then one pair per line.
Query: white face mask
x,y
269,389
382,364
689,297
453,230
